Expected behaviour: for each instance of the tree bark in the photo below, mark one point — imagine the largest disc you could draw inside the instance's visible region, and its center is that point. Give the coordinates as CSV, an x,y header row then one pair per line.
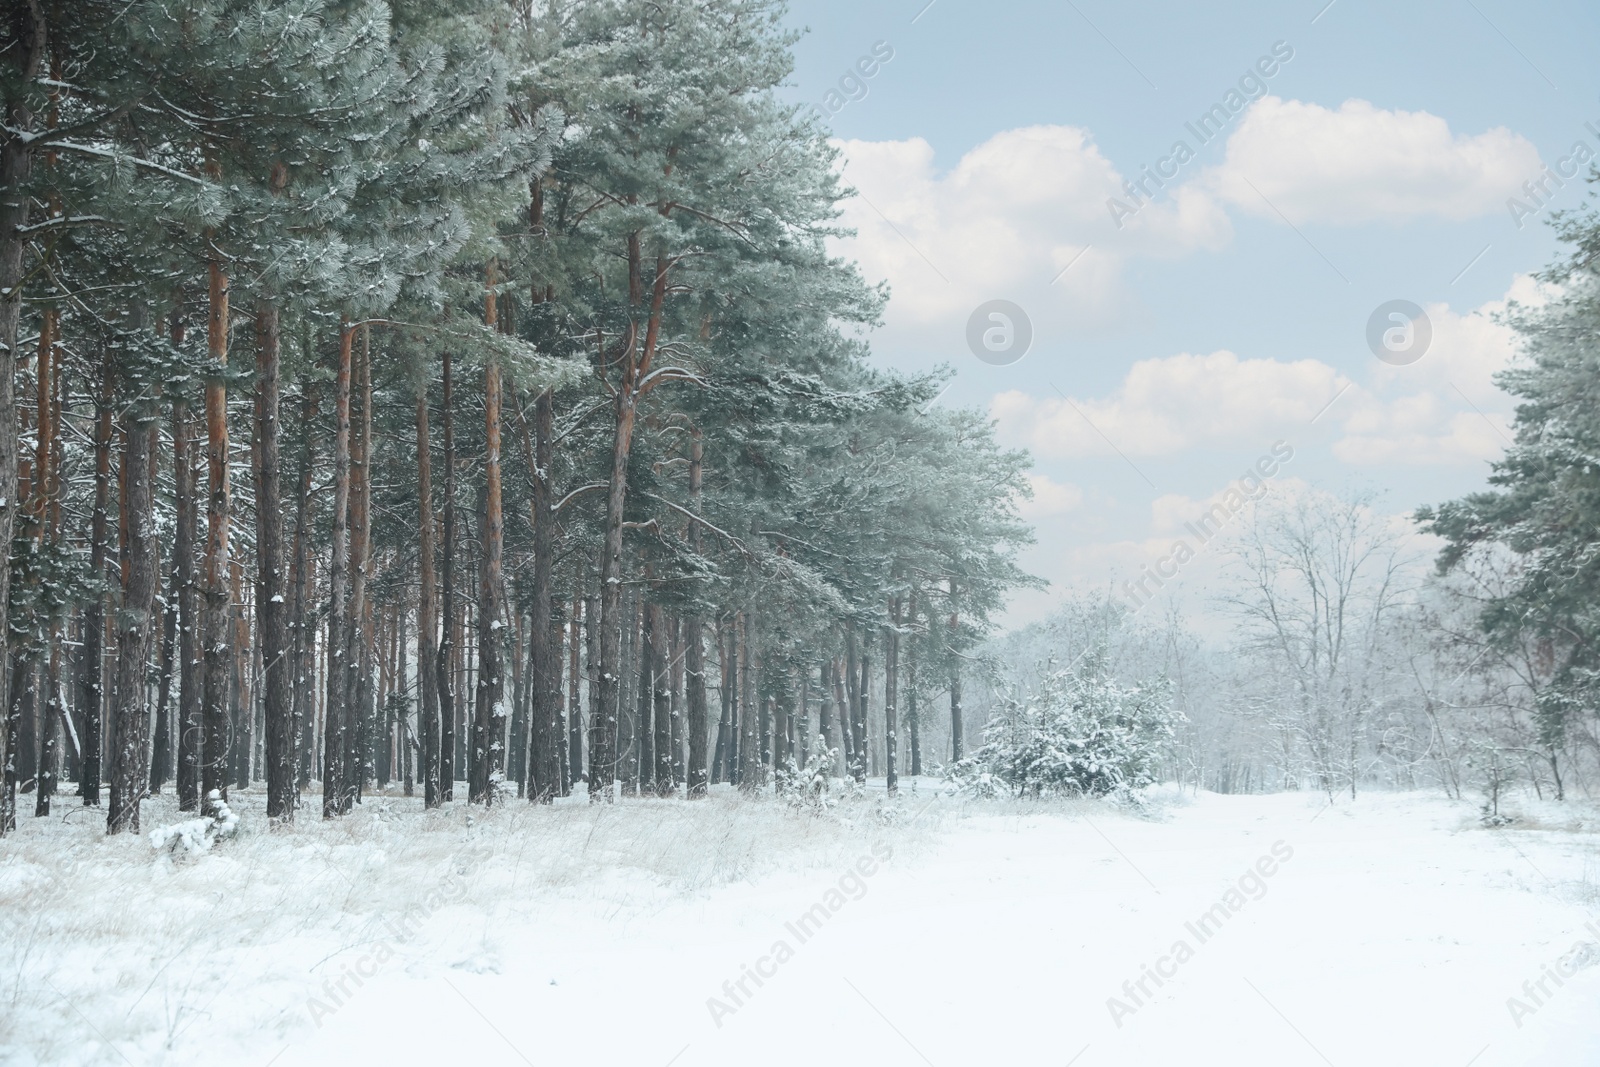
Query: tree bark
x,y
92,692
447,596
660,699
891,696
720,764
427,608
913,713
694,641
48,514
958,740
161,751
591,649
26,58
360,732
335,710
491,609
545,645
244,708
675,656
825,712
131,729
303,632
642,751
272,628
602,761
856,680
574,694
750,750
852,689
214,572
635,365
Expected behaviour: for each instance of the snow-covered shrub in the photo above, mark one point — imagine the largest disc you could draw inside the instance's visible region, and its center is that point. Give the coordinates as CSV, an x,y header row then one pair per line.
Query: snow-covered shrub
x,y
813,787
194,836
1496,769
1080,732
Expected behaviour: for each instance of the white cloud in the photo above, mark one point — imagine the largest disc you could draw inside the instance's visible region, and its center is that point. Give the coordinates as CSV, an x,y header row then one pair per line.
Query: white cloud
x,y
1165,406
1444,409
1360,163
1003,222
1050,497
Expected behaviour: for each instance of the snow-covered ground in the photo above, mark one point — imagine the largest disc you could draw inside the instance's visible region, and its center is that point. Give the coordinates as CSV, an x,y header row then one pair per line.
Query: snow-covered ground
x,y
1390,930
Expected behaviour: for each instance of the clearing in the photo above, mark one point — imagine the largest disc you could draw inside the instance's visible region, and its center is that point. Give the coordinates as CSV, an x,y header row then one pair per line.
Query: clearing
x,y
1390,930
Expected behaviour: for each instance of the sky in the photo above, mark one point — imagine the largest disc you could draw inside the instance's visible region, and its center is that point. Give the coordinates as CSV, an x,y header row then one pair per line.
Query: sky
x,y
1205,215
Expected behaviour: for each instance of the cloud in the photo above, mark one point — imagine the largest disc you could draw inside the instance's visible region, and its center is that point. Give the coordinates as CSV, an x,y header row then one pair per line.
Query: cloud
x,y
1446,407
1360,163
1165,406
1050,498
1004,221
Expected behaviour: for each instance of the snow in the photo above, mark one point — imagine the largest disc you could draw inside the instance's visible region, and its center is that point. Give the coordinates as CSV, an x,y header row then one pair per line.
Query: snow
x,y
1394,929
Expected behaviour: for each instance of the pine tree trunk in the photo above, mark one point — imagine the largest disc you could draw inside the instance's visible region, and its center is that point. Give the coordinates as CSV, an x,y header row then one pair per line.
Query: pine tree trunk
x,y
913,714
591,652
623,742
825,712
750,712
844,708
382,748
802,740
47,512
891,695
25,665
518,758
304,634
161,752
660,696
675,656
407,736
644,702
189,704
634,366
694,641
545,648
91,698
131,718
244,733
214,571
26,59
958,743
605,722
863,711
721,761
852,688
360,728
59,707
272,626
427,609
478,721
447,597
574,693
335,710
491,610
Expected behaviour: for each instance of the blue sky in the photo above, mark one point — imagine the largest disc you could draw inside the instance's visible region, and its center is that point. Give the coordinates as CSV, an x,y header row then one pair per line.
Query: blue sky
x,y
1374,164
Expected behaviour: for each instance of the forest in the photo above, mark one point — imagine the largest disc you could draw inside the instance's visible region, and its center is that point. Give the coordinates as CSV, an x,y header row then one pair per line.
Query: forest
x,y
455,395
507,556
464,398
